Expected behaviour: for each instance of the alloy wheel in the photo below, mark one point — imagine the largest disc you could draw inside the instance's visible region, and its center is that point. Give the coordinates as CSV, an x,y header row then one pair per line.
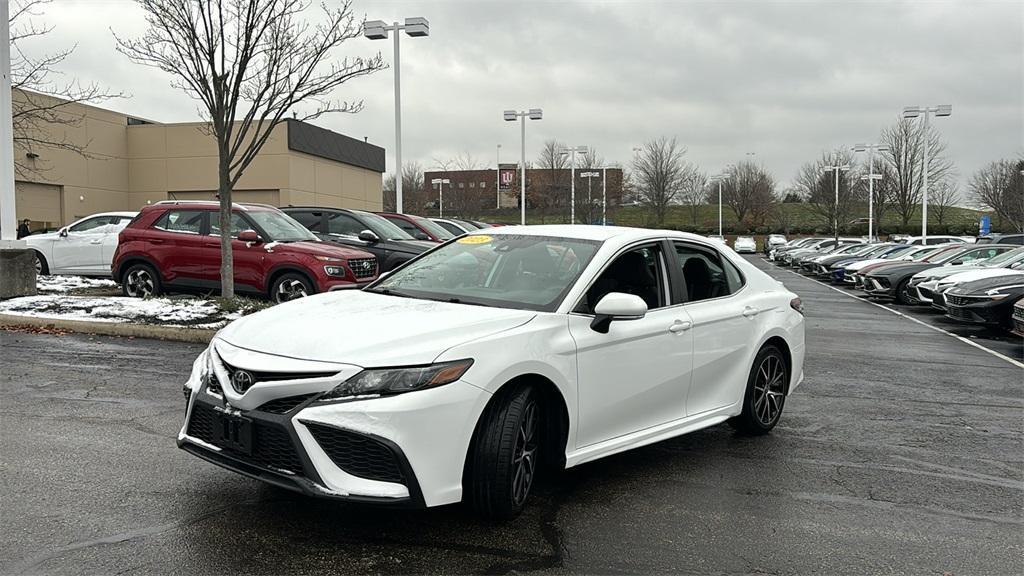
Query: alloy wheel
x,y
290,290
140,284
39,266
769,390
524,455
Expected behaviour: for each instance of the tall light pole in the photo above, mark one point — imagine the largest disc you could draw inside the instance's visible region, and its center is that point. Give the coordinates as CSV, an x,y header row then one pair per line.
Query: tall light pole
x,y
914,112
719,178
837,170
378,30
440,182
590,177
571,152
8,215
871,177
510,116
604,196
497,179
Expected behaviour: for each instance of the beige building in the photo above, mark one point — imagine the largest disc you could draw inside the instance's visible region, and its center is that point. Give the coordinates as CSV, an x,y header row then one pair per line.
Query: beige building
x,y
130,162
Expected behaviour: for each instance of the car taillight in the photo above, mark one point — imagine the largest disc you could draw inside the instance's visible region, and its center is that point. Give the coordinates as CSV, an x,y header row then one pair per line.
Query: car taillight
x,y
797,304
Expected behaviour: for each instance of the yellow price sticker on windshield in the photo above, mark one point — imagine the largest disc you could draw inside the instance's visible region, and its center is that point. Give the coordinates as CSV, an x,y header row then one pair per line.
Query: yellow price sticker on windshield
x,y
475,239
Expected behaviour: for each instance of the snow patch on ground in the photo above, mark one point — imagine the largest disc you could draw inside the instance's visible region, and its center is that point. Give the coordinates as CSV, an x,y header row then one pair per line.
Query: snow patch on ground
x,y
190,312
64,284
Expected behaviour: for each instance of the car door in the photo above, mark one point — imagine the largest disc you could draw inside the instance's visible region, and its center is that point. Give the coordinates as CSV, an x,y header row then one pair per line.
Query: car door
x,y
247,258
344,229
179,246
725,324
636,375
80,249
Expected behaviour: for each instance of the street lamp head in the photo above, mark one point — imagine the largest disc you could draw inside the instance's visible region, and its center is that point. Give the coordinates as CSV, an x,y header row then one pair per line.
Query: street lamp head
x,y
911,112
511,115
375,30
536,113
944,110
860,147
417,27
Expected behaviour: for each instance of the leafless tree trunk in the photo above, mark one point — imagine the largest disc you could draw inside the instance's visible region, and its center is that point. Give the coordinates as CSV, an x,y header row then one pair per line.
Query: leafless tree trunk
x,y
660,171
413,190
694,193
41,106
249,62
905,158
820,187
551,194
944,195
750,190
999,187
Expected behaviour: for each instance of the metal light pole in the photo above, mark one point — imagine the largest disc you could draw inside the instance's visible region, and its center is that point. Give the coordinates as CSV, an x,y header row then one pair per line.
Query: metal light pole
x,y
719,178
871,177
837,170
590,178
572,176
497,179
8,214
510,116
378,30
440,182
604,196
914,112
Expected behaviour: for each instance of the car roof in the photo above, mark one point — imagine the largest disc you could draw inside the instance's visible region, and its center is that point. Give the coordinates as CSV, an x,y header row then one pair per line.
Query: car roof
x,y
209,205
588,232
123,213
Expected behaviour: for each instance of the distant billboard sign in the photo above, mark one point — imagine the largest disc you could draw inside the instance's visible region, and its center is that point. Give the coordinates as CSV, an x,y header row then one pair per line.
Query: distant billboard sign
x,y
507,178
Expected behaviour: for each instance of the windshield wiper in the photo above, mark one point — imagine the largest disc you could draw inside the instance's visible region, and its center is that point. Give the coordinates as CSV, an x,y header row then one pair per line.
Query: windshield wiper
x,y
391,292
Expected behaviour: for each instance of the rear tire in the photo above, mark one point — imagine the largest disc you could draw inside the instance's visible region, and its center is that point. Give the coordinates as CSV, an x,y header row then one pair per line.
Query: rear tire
x,y
506,454
290,286
766,393
140,281
42,268
903,292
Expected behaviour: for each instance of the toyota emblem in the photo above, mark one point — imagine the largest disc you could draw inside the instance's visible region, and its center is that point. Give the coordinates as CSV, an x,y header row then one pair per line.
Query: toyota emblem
x,y
242,381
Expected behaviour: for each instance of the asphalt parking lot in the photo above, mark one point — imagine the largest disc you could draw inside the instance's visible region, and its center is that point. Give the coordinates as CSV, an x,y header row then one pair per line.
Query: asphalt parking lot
x,y
900,453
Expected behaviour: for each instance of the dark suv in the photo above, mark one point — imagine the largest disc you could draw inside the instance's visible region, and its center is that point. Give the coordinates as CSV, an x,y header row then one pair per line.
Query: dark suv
x,y
363,230
174,245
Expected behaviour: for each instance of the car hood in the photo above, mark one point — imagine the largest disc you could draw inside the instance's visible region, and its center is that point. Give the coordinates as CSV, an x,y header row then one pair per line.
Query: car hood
x,y
367,329
944,271
871,262
312,248
903,268
979,273
984,284
412,246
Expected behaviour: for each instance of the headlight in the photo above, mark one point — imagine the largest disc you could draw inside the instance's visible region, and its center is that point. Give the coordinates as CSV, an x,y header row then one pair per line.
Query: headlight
x,y
386,381
338,271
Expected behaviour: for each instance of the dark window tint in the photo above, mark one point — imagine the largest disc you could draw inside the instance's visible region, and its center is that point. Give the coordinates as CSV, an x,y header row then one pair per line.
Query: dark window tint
x,y
450,227
706,274
184,221
639,272
92,224
311,220
408,227
343,224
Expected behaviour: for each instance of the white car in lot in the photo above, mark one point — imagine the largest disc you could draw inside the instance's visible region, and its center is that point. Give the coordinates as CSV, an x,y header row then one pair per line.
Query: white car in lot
x,y
463,373
85,247
934,281
744,244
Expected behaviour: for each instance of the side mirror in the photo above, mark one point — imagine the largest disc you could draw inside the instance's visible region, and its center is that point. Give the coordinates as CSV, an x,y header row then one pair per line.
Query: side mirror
x,y
249,236
369,236
420,235
63,232
617,306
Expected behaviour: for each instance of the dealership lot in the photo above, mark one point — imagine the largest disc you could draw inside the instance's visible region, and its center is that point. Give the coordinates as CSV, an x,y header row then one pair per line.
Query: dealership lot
x,y
899,453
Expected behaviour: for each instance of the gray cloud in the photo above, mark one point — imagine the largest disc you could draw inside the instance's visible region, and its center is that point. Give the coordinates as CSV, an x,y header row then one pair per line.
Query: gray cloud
x,y
782,79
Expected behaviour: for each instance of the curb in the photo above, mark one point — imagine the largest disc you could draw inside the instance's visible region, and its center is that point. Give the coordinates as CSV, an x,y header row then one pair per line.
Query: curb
x,y
173,333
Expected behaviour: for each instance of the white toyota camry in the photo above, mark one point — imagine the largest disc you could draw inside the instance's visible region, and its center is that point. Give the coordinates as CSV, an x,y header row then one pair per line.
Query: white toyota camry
x,y
502,354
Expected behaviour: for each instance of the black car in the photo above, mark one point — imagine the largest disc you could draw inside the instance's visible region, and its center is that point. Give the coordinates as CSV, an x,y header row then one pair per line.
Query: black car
x,y
389,243
893,282
988,301
1001,239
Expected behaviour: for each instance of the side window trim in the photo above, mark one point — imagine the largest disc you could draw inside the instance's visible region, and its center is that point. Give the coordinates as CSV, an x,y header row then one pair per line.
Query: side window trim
x,y
658,243
721,258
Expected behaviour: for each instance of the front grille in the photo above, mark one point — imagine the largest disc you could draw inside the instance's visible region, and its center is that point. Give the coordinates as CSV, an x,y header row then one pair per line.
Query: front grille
x,y
954,300
275,376
939,299
1018,325
284,405
926,293
356,454
960,314
272,445
363,267
1018,313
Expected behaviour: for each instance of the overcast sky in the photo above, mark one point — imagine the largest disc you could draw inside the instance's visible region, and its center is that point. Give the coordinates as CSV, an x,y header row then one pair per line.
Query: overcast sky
x,y
784,80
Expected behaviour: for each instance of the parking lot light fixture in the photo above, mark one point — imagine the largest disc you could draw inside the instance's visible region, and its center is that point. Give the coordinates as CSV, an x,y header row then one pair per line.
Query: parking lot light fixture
x,y
417,27
836,170
871,177
440,182
572,176
914,112
590,177
497,179
510,116
719,178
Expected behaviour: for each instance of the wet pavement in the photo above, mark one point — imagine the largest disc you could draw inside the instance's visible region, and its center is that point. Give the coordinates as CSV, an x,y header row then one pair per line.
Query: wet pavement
x,y
900,453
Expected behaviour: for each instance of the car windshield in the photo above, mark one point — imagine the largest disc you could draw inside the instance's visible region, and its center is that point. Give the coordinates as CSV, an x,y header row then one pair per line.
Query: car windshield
x,y
896,252
504,271
923,253
465,224
943,256
875,250
279,226
432,227
1004,259
384,229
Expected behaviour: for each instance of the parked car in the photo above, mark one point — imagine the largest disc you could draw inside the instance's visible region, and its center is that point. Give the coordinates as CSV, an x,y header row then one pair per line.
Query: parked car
x,y
363,230
893,282
852,273
774,241
175,246
418,227
1001,239
777,252
84,247
938,296
836,267
989,301
1018,318
929,285
497,355
816,248
919,240
455,227
819,265
744,244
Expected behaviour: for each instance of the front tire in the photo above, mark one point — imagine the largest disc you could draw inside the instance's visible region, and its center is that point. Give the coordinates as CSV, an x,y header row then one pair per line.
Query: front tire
x,y
42,268
505,456
291,286
140,281
903,292
766,393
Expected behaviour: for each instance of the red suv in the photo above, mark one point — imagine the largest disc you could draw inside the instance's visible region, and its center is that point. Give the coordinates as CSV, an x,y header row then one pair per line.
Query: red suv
x,y
176,245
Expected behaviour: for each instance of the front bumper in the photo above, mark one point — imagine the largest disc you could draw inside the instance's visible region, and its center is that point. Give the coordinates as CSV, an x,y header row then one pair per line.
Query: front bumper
x,y
978,310
878,287
346,285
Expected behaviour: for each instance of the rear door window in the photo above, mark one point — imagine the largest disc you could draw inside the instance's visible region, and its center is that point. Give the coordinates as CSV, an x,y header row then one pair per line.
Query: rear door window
x,y
706,273
343,225
181,221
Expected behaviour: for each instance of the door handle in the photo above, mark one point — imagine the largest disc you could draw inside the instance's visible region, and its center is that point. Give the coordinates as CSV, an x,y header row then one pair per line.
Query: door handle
x,y
155,241
95,241
680,326
750,312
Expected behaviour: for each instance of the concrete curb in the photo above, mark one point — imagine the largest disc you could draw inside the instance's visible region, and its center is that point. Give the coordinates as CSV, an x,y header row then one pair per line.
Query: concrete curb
x,y
175,333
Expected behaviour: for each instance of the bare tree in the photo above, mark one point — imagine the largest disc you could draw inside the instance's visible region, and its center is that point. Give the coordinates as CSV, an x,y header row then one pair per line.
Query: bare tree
x,y
659,170
249,62
694,193
588,199
819,187
459,200
749,190
42,111
905,159
413,189
999,187
943,196
550,193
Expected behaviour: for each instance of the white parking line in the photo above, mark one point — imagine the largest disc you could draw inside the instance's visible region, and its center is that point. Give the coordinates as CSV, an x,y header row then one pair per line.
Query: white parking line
x,y
912,319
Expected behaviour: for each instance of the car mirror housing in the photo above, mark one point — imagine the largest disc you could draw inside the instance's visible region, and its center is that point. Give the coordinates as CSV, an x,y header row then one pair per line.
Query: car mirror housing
x,y
369,236
63,232
617,306
249,236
